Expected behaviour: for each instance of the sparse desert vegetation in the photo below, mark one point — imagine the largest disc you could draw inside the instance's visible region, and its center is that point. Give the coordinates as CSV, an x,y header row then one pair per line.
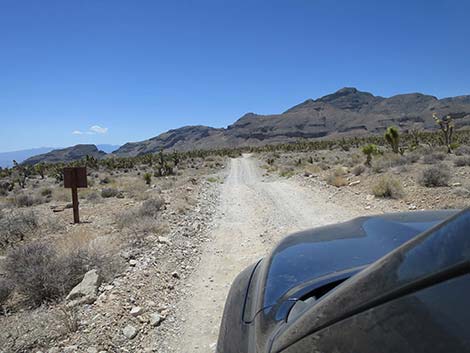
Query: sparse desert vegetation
x,y
143,219
125,216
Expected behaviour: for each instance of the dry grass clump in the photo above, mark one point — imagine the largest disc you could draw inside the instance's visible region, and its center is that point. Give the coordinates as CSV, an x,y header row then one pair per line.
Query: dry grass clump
x,y
16,226
462,161
109,192
286,171
151,207
387,161
142,220
358,169
433,176
45,272
311,169
433,158
337,181
46,192
462,150
25,200
93,197
184,204
336,177
389,187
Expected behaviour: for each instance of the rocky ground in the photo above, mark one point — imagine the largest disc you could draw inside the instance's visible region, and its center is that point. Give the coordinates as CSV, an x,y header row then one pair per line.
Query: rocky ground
x,y
139,301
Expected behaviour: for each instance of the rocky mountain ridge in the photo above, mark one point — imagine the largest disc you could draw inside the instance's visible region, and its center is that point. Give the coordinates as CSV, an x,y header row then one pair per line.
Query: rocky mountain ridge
x,y
343,113
68,154
347,112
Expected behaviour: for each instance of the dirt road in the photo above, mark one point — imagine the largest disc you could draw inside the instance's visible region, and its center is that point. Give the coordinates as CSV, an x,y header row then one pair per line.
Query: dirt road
x,y
254,214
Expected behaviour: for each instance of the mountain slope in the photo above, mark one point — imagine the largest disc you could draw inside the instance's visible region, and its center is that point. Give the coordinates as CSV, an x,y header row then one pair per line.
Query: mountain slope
x,y
345,112
68,154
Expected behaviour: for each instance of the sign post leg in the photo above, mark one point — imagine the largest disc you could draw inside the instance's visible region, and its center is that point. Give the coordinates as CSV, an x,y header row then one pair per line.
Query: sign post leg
x,y
76,216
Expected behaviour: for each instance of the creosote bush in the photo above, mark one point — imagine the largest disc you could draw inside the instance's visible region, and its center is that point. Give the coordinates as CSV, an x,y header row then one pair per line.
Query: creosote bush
x,y
433,158
358,169
336,180
24,200
433,176
46,192
151,207
389,187
462,161
142,220
109,192
42,272
16,226
36,271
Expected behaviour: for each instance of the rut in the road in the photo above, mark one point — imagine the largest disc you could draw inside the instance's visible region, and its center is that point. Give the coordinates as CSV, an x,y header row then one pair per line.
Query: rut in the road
x,y
253,214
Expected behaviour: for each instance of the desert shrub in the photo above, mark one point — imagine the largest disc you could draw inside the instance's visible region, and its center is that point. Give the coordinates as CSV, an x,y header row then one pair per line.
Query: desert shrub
x,y
151,207
93,197
462,150
412,157
358,169
42,272
323,165
437,175
16,226
462,161
387,186
109,192
34,268
433,158
286,172
379,165
46,192
5,291
336,180
24,200
340,171
311,169
355,159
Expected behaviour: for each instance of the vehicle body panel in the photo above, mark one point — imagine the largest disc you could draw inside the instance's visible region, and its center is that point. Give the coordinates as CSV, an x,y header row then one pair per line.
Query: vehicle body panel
x,y
431,320
305,262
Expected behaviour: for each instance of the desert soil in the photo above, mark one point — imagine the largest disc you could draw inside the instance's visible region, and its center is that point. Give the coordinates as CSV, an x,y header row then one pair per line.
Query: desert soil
x,y
255,212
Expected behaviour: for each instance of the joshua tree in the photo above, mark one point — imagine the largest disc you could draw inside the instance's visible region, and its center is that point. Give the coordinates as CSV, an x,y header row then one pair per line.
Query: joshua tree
x,y
393,138
370,150
447,128
40,169
21,174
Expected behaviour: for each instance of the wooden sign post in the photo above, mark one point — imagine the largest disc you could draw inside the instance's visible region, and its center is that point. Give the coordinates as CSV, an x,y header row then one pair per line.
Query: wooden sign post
x,y
74,178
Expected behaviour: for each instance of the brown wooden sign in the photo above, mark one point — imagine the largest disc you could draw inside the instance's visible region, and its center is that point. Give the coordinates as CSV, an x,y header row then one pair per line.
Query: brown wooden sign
x,y
74,178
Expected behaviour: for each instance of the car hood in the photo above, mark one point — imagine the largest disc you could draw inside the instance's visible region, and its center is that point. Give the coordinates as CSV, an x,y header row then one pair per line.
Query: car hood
x,y
314,254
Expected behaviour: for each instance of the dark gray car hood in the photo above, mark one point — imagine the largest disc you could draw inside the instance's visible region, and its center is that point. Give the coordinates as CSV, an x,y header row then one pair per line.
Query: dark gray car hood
x,y
313,254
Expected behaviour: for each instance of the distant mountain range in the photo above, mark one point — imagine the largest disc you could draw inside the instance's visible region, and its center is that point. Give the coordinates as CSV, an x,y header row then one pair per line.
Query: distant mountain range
x,y
7,158
343,113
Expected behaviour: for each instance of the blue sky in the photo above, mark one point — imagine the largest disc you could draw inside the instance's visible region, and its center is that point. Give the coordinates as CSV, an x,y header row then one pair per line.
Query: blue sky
x,y
114,71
